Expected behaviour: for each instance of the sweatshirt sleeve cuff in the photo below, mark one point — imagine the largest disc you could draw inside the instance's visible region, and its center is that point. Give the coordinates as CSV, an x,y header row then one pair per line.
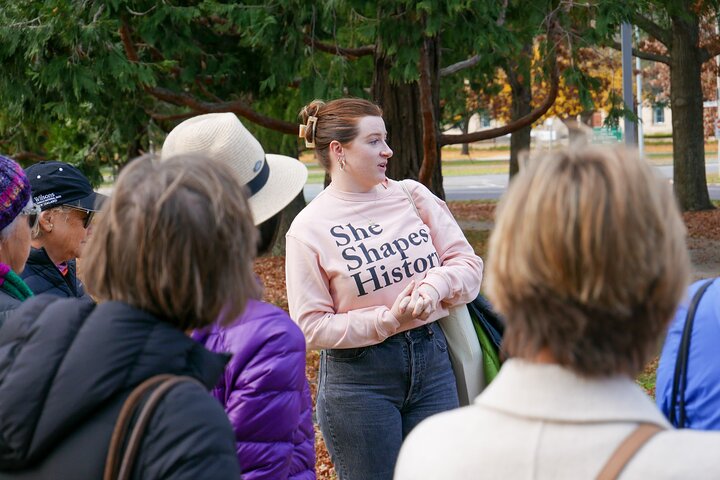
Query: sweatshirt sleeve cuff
x,y
439,283
387,324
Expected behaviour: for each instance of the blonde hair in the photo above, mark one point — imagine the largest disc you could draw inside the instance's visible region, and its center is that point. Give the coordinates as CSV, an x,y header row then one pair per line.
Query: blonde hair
x,y
336,120
37,233
588,260
177,240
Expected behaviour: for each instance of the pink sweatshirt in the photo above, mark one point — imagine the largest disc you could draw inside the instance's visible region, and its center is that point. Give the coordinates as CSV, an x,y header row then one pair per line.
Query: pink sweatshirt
x,y
349,255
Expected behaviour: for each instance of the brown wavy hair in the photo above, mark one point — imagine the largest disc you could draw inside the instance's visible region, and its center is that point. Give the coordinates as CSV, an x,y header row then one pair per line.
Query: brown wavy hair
x,y
587,260
336,120
177,240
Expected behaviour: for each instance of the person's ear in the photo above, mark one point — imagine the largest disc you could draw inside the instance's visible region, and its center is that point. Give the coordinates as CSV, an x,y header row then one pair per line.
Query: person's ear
x,y
337,149
46,221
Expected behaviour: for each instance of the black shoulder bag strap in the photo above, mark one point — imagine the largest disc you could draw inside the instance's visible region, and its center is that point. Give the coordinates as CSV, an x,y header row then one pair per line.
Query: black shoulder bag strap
x,y
677,405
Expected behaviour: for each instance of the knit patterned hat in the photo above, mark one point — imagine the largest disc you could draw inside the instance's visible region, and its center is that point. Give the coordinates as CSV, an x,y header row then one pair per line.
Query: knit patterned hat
x,y
14,191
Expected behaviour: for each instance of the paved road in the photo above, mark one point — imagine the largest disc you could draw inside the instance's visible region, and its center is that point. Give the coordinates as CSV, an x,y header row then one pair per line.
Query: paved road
x,y
491,187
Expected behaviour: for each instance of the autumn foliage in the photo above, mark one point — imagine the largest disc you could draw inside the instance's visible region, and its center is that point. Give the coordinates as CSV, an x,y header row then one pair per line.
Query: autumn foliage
x,y
578,95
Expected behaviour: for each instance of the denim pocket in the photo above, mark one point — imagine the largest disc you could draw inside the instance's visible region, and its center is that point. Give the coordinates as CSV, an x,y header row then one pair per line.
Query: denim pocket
x,y
439,337
346,354
441,343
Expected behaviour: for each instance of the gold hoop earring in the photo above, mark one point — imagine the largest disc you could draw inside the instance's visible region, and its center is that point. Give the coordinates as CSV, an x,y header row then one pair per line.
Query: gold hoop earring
x,y
341,161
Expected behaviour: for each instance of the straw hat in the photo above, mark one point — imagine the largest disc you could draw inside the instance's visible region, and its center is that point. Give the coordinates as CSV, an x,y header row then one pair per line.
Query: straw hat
x,y
273,181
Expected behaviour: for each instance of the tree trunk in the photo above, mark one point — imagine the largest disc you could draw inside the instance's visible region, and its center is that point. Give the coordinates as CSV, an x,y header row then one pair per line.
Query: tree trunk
x,y
135,147
287,215
286,218
687,114
429,112
403,119
521,94
465,127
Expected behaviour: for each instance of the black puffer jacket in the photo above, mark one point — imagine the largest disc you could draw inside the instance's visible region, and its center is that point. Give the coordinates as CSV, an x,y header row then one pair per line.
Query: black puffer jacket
x,y
42,276
66,367
8,303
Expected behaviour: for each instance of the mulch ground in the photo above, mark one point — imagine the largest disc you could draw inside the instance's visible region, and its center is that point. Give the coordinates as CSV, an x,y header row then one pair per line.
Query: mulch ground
x,y
473,210
703,224
271,270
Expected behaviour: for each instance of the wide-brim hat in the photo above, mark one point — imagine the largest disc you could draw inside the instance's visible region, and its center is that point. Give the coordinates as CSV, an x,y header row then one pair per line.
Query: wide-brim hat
x,y
273,181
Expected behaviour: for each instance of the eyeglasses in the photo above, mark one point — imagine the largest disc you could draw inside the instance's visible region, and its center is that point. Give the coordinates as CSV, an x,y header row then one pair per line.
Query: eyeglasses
x,y
33,214
89,214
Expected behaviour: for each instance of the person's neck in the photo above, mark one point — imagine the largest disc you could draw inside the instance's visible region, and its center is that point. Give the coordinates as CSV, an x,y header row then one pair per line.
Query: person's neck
x,y
544,356
55,256
345,183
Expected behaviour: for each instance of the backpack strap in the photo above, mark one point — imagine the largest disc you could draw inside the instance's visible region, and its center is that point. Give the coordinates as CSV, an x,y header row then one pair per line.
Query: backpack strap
x,y
627,450
677,405
125,442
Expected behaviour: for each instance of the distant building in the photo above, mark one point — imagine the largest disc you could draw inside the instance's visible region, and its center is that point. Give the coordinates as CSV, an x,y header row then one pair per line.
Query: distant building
x,y
656,119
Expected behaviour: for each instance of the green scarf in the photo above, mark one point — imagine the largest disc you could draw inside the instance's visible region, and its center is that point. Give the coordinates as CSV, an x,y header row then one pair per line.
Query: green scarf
x,y
15,287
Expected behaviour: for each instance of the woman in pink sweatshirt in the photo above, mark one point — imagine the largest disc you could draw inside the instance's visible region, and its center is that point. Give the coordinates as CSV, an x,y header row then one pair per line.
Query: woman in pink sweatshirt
x,y
367,279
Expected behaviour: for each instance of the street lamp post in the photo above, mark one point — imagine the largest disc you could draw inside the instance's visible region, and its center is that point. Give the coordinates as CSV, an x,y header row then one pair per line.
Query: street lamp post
x,y
627,80
638,81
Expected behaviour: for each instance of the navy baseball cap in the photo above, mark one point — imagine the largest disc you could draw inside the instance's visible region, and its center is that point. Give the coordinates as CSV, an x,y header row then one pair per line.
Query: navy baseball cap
x,y
56,183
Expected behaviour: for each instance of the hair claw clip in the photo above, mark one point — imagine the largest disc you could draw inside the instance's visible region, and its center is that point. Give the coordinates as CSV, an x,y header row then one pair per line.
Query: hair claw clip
x,y
311,124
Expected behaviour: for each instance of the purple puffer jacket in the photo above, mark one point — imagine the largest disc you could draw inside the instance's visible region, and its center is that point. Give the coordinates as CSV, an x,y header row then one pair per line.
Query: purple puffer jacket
x,y
265,393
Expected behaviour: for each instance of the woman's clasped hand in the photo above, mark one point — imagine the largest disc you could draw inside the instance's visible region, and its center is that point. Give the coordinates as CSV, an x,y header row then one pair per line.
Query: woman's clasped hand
x,y
415,303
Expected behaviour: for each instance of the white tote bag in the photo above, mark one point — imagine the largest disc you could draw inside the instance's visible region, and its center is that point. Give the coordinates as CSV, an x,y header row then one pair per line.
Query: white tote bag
x,y
465,353
463,345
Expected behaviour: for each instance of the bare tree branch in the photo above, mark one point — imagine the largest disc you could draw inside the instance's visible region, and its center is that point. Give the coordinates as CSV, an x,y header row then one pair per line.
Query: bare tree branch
x,y
22,157
206,92
512,126
98,13
34,23
199,106
475,59
662,35
501,18
140,14
653,57
158,117
127,42
710,51
462,65
526,120
237,107
349,53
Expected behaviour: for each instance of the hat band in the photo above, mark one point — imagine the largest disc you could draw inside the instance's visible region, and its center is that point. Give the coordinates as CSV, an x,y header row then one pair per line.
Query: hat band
x,y
257,183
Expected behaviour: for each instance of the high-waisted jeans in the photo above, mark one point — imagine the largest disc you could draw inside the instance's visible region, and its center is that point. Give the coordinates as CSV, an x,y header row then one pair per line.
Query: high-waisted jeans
x,y
370,398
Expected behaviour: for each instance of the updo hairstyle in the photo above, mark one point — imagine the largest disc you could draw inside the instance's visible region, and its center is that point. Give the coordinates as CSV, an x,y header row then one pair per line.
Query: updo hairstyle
x,y
336,120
